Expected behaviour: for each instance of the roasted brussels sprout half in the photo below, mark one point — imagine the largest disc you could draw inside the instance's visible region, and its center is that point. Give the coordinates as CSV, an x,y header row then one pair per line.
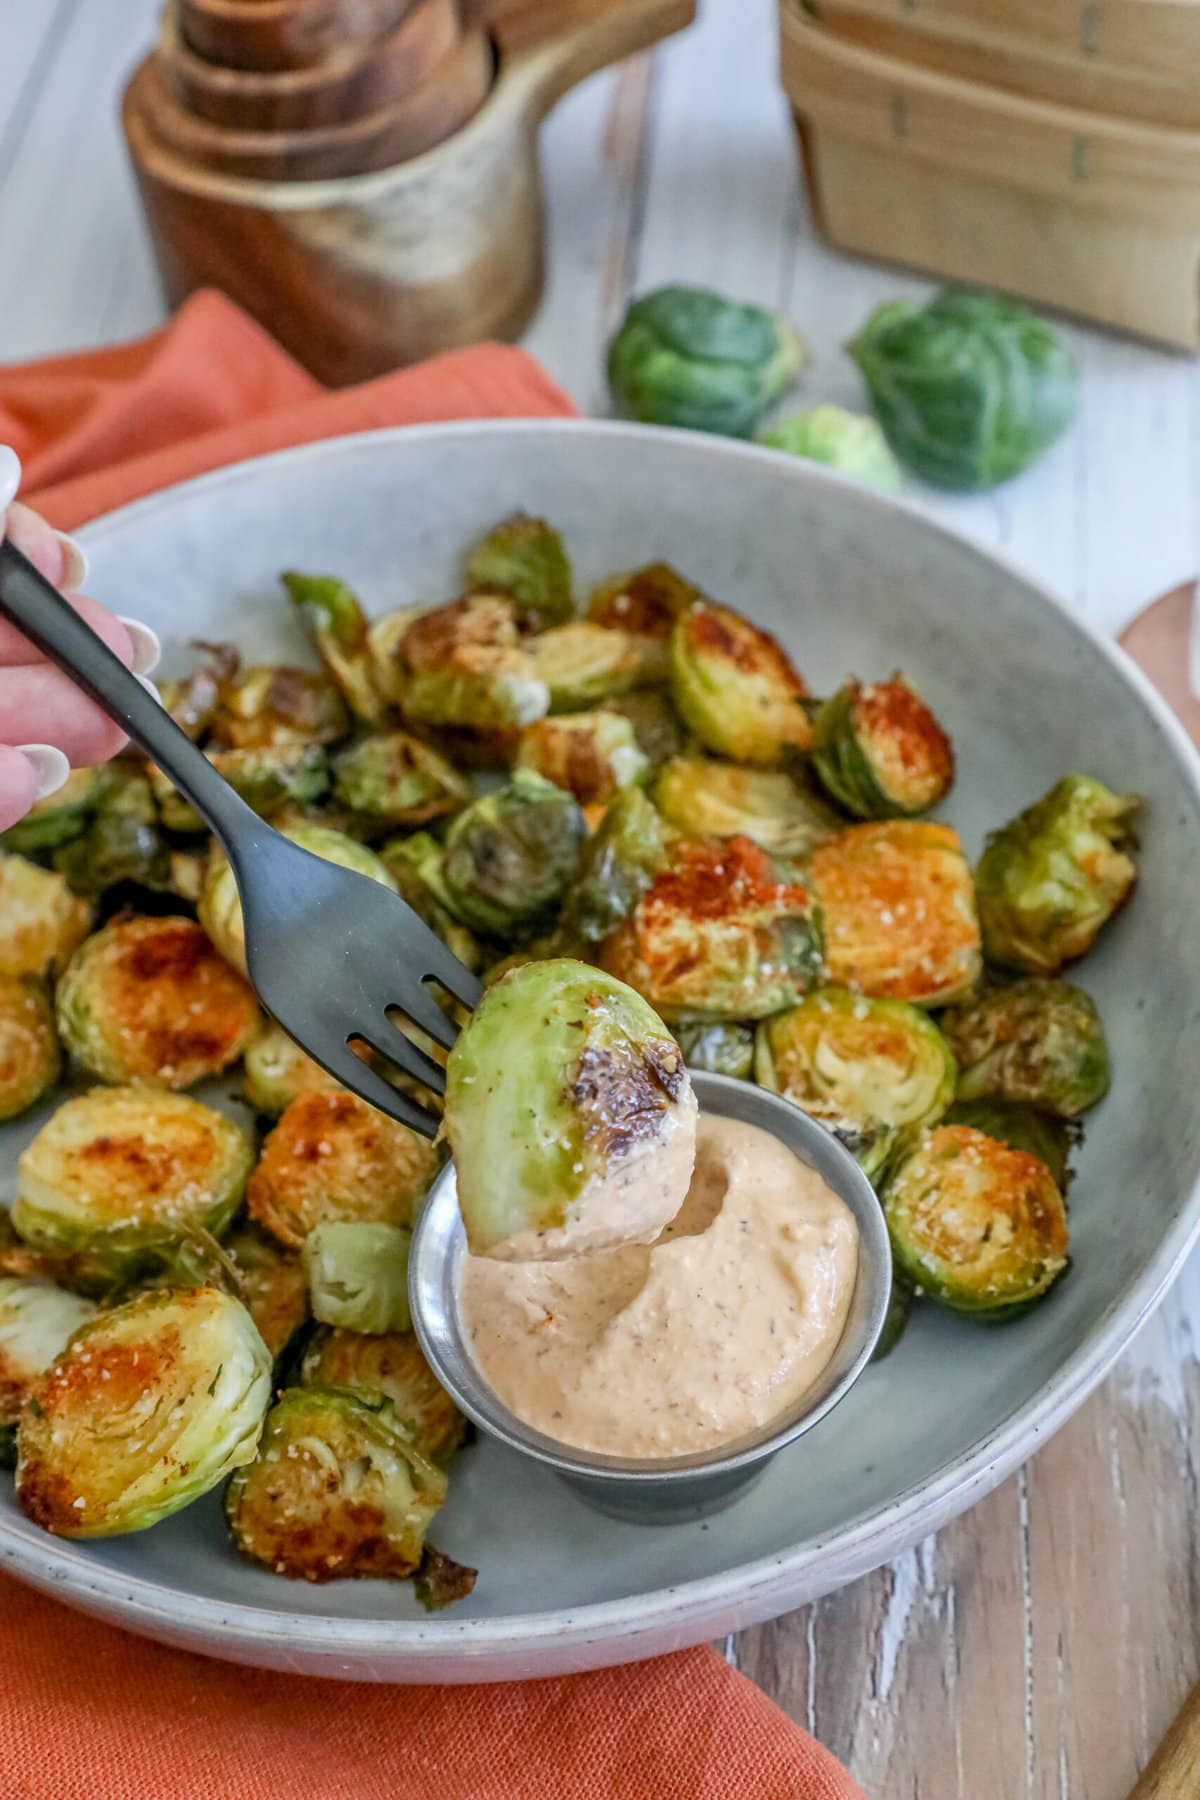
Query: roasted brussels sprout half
x,y
129,1173
619,861
686,356
899,912
511,855
645,604
1041,1041
123,841
151,1000
869,1070
583,664
1021,1127
656,725
735,687
974,1225
268,779
583,1140
590,754
337,628
265,707
338,1489
970,387
524,558
880,752
466,665
192,699
721,933
277,1071
389,1363
36,1320
220,906
717,799
44,921
148,1407
271,1284
358,1275
60,817
394,779
80,1273
721,1049
29,1055
1051,879
851,442
331,1156
415,863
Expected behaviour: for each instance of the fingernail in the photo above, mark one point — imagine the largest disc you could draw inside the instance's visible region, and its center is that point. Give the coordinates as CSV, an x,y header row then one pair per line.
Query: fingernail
x,y
50,766
147,650
75,564
10,476
149,686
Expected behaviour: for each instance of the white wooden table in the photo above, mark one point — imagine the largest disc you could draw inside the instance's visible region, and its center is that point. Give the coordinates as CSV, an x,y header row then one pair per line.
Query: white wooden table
x,y
1039,1646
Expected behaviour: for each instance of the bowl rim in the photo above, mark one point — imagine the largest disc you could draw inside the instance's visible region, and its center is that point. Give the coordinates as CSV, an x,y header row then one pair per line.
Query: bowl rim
x,y
766,1585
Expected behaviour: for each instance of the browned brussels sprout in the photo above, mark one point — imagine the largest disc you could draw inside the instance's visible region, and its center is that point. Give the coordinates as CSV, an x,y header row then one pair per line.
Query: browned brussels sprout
x,y
277,1071
645,603
735,686
524,558
721,1049
880,752
584,664
389,1363
1022,1127
266,707
717,799
29,1055
510,856
267,779
337,628
466,665
656,724
43,920
193,699
36,1321
60,817
271,1284
899,912
123,841
1040,1041
1050,880
721,933
394,779
620,860
590,754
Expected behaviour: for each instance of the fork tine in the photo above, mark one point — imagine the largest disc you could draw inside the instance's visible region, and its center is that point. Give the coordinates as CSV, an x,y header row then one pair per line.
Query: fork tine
x,y
443,966
364,1081
393,1043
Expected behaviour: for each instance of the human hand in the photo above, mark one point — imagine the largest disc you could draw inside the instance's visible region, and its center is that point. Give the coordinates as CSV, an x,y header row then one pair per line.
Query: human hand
x,y
47,726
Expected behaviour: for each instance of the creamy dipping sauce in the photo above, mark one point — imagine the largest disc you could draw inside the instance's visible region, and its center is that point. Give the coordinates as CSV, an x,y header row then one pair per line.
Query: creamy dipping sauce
x,y
716,1328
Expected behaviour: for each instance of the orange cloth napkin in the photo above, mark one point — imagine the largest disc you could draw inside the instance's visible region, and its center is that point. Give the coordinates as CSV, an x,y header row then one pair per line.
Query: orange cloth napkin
x,y
88,1713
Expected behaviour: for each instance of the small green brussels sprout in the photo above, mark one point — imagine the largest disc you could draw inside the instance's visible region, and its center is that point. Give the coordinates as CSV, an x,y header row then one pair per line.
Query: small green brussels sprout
x,y
969,386
30,1059
974,1225
868,1070
721,1049
591,754
220,905
879,751
44,922
277,1071
619,861
394,779
717,799
685,356
1051,879
511,855
851,442
268,779
148,1407
128,1173
60,817
265,707
899,912
895,1322
583,664
338,1489
524,558
1021,1127
415,863
36,1320
389,1363
193,699
657,728
152,1001
583,1140
337,629
721,933
645,603
735,687
358,1275
466,665
271,1284
123,841
1040,1041
331,1156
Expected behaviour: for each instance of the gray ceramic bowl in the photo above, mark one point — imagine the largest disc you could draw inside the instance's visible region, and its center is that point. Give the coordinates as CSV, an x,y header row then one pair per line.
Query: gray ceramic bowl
x,y
665,1490
849,580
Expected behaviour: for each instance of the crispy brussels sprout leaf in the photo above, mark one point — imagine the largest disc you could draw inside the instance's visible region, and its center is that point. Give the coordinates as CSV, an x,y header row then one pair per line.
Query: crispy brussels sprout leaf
x,y
1050,880
268,779
36,1320
1041,1041
358,1275
43,920
278,1071
440,1581
338,1489
645,603
1022,1127
267,707
123,841
591,754
151,1000
721,1049
851,442
60,817
735,687
585,1138
524,558
879,751
976,1226
899,912
147,1408
30,1059
721,933
895,1324
583,664
511,855
619,861
717,799
392,1364
869,1070
337,628
394,779
656,725
465,665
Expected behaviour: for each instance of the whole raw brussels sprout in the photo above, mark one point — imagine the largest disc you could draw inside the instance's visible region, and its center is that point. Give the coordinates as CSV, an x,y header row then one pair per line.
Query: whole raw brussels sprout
x,y
851,442
358,1275
511,855
1038,1041
619,861
879,751
466,665
61,816
721,1049
268,779
389,1363
123,840
394,779
149,1406
44,922
686,356
337,626
970,387
266,707
585,1137
30,1059
706,798
736,688
591,754
1021,1127
36,1320
1049,881
524,558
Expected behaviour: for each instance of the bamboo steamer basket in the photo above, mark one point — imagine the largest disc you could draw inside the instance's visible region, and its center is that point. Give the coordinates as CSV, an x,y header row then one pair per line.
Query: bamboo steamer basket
x,y
1072,209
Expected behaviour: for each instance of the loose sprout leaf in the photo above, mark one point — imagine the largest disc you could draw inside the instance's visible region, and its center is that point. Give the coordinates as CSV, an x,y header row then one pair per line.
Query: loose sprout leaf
x,y
524,558
440,1581
337,627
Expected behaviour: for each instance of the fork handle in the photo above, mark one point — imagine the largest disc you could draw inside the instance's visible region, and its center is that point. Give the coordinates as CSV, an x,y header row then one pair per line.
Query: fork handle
x,y
38,610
